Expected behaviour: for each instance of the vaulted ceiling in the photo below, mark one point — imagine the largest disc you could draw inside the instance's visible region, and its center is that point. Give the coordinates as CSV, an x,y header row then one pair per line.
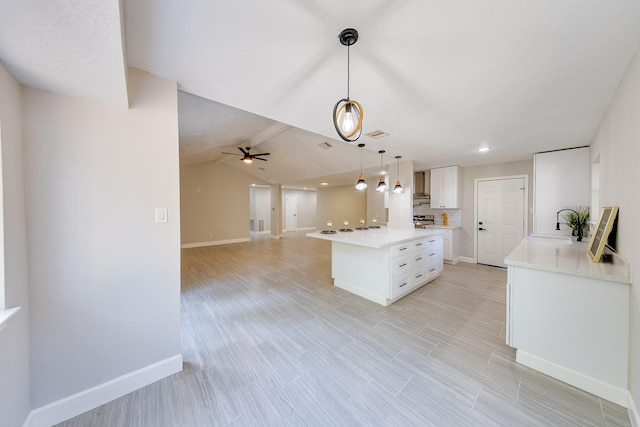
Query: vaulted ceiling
x,y
442,78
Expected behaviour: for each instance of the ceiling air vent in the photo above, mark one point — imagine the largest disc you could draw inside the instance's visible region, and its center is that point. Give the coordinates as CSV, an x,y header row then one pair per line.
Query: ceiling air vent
x,y
377,134
325,145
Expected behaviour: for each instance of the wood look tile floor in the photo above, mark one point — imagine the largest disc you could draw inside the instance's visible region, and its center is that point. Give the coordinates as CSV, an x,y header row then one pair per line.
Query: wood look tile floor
x,y
268,341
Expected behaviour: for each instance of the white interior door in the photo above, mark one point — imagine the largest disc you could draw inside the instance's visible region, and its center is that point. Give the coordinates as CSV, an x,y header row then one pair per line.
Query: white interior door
x,y
291,212
501,221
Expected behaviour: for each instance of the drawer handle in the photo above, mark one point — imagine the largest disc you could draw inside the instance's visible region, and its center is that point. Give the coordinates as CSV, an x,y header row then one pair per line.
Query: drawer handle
x,y
418,244
431,241
402,249
418,259
418,276
404,284
432,254
402,265
433,269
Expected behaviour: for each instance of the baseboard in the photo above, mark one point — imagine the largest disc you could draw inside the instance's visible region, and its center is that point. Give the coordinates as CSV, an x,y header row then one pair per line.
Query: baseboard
x,y
306,228
634,415
76,404
214,243
592,385
361,292
467,259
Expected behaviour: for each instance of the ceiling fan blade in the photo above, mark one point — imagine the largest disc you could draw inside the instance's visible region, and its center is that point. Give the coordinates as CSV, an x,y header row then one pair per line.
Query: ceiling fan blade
x,y
233,154
246,153
261,154
258,158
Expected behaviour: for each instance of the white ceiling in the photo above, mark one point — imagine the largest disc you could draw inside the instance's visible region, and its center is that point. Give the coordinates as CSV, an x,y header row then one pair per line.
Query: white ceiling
x,y
441,77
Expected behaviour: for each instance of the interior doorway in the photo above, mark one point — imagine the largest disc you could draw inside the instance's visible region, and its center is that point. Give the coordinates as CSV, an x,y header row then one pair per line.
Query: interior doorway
x,y
260,210
500,217
291,212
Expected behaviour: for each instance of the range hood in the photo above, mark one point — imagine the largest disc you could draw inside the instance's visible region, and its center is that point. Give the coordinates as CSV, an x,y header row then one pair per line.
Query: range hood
x,y
420,191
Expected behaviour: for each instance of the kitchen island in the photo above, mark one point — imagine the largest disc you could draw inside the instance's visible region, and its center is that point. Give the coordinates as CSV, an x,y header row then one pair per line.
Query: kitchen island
x,y
384,264
568,316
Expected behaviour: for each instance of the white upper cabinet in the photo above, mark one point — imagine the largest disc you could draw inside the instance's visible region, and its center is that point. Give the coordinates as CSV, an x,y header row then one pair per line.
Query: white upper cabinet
x,y
445,187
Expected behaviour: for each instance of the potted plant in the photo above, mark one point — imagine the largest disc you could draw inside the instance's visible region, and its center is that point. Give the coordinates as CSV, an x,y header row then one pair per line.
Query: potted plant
x,y
575,217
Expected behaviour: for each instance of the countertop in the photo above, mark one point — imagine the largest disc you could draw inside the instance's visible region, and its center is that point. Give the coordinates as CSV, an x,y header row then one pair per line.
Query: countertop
x,y
566,256
451,226
376,237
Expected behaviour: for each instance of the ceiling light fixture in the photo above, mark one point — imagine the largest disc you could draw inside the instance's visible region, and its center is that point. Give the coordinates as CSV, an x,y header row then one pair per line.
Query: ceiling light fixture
x,y
347,113
382,186
361,184
484,149
398,188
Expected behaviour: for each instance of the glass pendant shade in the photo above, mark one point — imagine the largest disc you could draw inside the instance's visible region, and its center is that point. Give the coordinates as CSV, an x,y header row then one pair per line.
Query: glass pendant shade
x,y
361,184
398,188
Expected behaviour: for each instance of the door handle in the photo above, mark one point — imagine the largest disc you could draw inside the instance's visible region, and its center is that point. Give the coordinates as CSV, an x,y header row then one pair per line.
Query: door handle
x,y
482,229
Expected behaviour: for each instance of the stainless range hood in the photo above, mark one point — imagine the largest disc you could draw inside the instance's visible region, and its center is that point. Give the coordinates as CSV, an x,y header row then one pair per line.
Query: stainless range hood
x,y
420,188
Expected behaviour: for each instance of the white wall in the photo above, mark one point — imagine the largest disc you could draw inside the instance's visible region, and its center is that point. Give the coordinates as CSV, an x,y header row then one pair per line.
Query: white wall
x,y
617,143
104,278
14,339
376,201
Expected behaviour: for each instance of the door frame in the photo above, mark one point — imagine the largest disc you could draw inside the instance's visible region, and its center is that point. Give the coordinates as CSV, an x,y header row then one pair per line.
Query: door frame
x,y
287,204
475,207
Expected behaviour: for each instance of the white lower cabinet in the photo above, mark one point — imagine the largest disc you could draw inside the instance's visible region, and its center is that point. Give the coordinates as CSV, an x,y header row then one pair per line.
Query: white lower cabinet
x,y
414,263
386,273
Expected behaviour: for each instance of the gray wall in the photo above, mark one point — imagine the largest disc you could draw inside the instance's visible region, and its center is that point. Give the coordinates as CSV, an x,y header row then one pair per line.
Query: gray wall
x,y
617,145
215,203
307,205
470,174
340,203
14,339
104,278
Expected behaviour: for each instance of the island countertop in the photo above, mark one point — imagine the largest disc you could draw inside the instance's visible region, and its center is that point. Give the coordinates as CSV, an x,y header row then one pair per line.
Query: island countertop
x,y
376,237
568,257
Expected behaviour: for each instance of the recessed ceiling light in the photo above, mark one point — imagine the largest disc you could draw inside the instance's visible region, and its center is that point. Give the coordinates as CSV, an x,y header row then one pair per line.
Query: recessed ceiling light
x,y
484,149
324,183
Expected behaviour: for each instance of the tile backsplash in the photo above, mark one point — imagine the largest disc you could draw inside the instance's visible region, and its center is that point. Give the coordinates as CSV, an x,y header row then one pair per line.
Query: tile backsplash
x,y
454,215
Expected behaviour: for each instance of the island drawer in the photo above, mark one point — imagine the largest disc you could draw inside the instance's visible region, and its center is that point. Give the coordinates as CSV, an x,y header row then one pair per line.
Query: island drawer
x,y
400,264
400,284
400,249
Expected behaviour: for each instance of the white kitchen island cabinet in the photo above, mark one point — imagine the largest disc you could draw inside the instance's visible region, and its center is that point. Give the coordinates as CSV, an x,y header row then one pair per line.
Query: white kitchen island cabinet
x,y
569,317
385,264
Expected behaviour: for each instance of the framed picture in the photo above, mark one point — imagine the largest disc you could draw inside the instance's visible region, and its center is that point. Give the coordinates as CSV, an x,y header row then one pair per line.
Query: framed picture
x,y
608,216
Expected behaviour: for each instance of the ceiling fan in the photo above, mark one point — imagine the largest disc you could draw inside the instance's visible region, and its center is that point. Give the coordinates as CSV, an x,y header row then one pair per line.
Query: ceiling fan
x,y
247,157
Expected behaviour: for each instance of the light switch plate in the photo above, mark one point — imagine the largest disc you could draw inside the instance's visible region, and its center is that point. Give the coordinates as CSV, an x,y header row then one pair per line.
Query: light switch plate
x,y
161,215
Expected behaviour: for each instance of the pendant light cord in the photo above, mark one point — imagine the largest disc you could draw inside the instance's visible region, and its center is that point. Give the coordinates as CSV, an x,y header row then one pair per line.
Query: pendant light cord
x,y
348,70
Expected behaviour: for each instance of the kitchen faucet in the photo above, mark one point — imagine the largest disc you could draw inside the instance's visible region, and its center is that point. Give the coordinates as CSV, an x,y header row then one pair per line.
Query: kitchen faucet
x,y
580,222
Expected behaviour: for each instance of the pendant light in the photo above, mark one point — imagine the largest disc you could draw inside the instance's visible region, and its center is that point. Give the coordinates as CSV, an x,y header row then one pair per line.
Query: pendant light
x,y
361,184
382,186
347,113
398,188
